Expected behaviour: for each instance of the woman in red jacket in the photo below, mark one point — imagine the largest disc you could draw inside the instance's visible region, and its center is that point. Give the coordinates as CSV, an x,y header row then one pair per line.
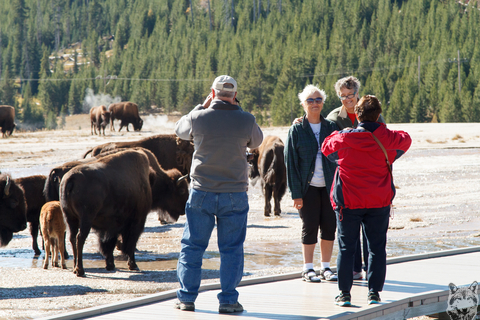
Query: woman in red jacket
x,y
362,193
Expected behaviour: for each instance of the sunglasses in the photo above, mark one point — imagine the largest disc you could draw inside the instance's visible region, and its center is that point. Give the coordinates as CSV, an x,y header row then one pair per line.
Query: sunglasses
x,y
317,100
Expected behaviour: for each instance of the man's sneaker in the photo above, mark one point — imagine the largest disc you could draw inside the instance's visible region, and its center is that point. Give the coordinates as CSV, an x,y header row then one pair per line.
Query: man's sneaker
x,y
230,308
343,299
310,276
185,306
373,297
357,275
327,274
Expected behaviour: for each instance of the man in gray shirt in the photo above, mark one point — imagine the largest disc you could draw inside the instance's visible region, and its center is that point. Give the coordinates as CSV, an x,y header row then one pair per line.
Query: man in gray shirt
x,y
221,132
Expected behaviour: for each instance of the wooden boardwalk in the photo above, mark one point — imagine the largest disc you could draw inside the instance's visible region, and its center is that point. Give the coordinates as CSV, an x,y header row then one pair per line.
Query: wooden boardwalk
x,y
416,285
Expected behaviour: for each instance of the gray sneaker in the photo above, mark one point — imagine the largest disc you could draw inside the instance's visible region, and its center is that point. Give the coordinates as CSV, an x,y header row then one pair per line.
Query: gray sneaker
x,y
230,308
185,306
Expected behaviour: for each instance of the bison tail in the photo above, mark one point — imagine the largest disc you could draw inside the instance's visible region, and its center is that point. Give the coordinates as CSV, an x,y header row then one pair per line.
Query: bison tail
x,y
50,191
66,190
275,173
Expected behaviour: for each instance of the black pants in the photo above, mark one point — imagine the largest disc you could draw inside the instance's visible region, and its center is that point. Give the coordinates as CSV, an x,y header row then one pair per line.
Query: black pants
x,y
317,213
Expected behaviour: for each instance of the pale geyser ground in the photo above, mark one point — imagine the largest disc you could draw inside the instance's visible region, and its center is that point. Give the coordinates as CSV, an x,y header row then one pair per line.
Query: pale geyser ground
x,y
436,208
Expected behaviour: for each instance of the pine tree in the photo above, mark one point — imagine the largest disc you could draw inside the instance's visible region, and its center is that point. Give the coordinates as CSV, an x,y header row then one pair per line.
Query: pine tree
x,y
19,14
7,88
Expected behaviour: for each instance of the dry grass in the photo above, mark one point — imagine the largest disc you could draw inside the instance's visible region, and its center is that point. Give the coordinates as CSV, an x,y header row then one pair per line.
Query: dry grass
x,y
430,141
457,137
416,219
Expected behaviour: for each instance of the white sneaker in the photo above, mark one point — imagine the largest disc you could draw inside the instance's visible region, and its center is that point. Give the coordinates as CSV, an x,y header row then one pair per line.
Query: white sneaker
x,y
357,275
310,276
327,274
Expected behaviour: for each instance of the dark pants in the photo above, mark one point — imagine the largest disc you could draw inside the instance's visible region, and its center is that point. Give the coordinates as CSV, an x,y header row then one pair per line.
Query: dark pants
x,y
375,226
357,265
317,212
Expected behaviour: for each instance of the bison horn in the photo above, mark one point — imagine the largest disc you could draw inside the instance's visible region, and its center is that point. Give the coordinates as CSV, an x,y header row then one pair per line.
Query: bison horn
x,y
7,186
181,179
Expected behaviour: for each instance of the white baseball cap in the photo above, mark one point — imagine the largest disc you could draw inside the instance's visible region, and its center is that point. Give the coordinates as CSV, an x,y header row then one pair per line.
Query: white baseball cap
x,y
219,83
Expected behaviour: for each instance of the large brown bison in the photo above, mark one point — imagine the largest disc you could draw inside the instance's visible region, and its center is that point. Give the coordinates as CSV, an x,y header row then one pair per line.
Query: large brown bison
x,y
13,216
7,120
99,119
268,164
33,189
126,112
113,195
171,151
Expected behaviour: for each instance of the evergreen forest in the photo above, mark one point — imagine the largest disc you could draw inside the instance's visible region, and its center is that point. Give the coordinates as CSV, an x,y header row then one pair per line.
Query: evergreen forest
x,y
421,58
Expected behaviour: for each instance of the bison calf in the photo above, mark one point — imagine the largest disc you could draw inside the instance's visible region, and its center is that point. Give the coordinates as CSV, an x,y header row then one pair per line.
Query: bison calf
x,y
53,230
268,164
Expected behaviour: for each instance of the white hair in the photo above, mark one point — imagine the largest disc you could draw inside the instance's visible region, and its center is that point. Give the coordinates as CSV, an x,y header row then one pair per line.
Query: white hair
x,y
309,90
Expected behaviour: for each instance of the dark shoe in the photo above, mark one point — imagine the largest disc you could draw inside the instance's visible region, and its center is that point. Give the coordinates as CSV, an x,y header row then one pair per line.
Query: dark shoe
x,y
373,297
343,299
310,276
230,308
185,306
327,274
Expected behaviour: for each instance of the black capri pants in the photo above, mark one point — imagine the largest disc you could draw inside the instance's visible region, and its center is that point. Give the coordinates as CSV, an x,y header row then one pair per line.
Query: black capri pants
x,y
317,212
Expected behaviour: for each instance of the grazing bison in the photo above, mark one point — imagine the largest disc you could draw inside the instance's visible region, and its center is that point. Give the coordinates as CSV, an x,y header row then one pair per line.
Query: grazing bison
x,y
99,119
268,164
7,120
13,213
171,151
33,189
113,195
53,231
126,112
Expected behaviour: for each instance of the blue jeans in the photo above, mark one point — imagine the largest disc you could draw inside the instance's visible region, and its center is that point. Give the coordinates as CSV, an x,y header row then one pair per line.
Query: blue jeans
x,y
375,226
230,211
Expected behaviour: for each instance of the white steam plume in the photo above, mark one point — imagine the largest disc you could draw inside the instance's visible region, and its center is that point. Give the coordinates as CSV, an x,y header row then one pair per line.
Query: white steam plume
x,y
94,100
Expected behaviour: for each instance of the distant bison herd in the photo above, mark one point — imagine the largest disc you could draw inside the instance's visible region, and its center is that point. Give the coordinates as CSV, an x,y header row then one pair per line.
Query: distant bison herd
x,y
126,112
100,117
112,190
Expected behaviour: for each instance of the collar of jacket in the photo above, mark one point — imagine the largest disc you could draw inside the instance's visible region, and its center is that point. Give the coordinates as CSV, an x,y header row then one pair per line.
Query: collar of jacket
x,y
218,104
343,112
370,126
306,124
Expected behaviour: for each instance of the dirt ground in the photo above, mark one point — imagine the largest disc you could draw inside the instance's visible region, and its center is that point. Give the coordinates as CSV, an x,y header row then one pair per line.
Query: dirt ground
x,y
436,208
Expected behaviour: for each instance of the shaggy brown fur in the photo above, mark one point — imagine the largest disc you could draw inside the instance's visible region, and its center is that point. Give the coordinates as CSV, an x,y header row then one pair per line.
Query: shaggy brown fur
x,y
268,164
53,230
13,213
99,119
33,190
126,112
171,152
7,120
113,195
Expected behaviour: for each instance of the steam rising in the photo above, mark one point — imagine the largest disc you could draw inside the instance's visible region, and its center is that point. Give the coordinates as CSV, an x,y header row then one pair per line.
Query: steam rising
x,y
94,100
